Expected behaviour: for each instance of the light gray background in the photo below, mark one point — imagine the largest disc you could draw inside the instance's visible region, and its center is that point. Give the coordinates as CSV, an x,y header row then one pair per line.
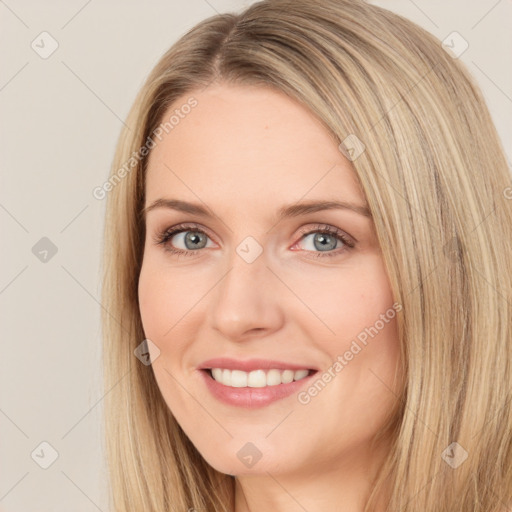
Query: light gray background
x,y
60,120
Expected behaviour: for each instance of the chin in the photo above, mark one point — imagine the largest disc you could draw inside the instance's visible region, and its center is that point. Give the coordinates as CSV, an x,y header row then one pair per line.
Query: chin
x,y
244,458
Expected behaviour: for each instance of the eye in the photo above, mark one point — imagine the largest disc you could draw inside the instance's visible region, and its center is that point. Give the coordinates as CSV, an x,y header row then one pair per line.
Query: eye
x,y
323,239
191,237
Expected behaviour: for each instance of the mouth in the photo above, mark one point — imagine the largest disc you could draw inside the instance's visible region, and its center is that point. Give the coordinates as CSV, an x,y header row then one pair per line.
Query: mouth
x,y
256,388
254,383
260,378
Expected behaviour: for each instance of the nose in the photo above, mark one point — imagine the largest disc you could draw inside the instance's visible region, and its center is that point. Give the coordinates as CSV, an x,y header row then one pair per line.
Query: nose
x,y
246,300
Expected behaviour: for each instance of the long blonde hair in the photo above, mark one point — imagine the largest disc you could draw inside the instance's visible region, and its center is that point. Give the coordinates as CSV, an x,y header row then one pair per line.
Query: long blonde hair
x,y
438,187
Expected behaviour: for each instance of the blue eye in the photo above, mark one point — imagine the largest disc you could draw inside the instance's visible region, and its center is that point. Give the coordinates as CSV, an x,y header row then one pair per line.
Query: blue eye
x,y
325,239
193,237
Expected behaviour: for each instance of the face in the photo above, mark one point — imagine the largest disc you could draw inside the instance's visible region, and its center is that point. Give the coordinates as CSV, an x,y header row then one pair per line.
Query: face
x,y
287,304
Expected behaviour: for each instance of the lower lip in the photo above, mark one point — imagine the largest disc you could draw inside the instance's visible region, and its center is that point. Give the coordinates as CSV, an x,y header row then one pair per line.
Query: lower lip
x,y
252,398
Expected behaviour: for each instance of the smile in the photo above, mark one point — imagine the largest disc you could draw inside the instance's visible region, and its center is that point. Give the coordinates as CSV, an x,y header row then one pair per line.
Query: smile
x,y
254,389
256,378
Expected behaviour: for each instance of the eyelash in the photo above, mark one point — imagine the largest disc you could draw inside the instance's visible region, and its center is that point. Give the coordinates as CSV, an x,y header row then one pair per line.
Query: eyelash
x,y
163,237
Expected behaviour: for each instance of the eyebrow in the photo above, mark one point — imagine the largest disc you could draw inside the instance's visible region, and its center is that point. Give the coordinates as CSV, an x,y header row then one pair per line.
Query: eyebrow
x,y
292,210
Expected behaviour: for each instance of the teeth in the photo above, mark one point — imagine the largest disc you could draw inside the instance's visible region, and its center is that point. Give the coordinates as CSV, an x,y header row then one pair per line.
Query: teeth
x,y
256,378
238,379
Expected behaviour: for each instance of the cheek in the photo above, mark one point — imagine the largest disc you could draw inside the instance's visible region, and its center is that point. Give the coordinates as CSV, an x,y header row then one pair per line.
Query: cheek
x,y
369,322
152,300
159,301
162,305
170,310
347,300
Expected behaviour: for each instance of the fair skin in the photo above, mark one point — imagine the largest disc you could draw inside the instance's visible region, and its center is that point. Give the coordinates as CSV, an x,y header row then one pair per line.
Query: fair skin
x,y
244,152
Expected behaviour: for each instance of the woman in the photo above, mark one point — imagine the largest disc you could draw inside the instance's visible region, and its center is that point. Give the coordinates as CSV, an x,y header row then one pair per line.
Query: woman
x,y
307,273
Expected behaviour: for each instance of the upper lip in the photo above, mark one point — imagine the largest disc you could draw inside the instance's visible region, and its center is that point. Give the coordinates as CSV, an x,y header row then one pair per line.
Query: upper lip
x,y
251,364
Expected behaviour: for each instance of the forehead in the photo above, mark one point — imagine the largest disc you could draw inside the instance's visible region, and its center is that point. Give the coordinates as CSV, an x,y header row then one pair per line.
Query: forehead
x,y
250,144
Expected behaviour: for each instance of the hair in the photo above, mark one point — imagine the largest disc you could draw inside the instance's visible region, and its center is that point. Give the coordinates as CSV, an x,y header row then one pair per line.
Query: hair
x,y
435,179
